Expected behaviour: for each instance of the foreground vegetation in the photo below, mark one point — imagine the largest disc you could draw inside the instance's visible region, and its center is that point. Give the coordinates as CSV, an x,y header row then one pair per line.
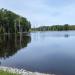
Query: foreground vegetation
x,y
9,22
55,28
6,73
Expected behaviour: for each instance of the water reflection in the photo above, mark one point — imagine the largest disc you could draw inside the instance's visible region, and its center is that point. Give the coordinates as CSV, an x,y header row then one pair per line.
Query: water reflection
x,y
10,44
48,52
66,35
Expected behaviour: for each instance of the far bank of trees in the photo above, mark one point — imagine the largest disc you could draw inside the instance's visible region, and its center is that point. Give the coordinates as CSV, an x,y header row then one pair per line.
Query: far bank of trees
x,y
9,22
55,28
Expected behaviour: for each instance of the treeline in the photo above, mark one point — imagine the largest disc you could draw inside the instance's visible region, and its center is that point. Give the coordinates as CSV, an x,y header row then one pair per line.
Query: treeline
x,y
9,22
55,28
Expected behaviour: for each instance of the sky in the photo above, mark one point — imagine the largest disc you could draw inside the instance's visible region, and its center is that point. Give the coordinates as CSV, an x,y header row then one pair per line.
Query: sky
x,y
43,12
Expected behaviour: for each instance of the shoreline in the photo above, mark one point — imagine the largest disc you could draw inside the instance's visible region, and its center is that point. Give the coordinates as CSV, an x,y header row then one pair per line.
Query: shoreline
x,y
21,71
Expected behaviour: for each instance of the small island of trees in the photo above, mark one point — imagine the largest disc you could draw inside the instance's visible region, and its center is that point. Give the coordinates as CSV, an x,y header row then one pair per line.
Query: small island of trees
x,y
11,22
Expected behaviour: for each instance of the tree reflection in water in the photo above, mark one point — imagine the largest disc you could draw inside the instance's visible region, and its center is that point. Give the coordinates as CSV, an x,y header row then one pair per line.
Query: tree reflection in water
x,y
11,43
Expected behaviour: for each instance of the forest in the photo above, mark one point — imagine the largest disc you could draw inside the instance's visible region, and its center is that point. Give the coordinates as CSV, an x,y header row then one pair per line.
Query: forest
x,y
55,28
10,21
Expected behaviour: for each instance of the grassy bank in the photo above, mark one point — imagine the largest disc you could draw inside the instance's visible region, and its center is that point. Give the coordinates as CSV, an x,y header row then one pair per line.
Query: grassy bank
x,y
6,73
15,71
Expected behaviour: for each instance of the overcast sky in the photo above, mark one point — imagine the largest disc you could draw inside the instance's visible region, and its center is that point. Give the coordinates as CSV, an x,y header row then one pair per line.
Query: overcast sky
x,y
43,12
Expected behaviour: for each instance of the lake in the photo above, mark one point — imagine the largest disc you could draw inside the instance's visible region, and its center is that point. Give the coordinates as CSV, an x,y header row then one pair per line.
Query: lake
x,y
47,52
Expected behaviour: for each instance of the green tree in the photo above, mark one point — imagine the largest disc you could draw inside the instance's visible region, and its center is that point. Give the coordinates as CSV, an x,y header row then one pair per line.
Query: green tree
x,y
8,19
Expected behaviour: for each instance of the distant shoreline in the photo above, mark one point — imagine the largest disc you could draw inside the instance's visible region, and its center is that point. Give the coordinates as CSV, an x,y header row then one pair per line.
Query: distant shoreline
x,y
21,71
64,27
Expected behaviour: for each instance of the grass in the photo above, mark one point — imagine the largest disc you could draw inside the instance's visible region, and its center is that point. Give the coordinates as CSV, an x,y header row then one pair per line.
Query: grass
x,y
6,73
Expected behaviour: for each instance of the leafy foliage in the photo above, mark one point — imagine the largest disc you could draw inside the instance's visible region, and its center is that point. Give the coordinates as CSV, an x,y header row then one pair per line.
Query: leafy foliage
x,y
8,19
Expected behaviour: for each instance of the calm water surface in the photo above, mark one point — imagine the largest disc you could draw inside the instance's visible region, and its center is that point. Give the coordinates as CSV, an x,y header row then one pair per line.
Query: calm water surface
x,y
48,52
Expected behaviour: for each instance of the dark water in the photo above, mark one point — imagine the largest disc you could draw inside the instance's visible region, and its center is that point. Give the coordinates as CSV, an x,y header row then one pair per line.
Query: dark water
x,y
48,52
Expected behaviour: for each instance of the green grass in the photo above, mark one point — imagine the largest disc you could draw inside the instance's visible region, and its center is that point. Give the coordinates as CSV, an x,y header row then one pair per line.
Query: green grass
x,y
6,73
